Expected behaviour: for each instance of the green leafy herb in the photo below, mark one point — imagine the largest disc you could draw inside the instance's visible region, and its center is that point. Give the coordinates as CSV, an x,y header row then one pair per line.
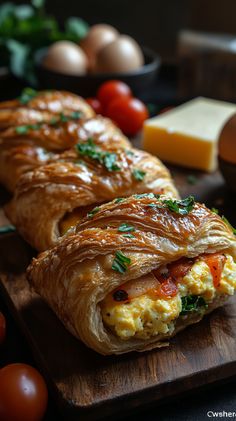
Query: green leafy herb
x,y
22,129
53,121
119,199
26,29
73,116
128,235
191,179
229,224
77,27
26,95
76,115
92,212
126,228
154,205
109,161
38,3
25,129
7,229
90,150
149,195
182,207
192,303
138,174
214,210
120,262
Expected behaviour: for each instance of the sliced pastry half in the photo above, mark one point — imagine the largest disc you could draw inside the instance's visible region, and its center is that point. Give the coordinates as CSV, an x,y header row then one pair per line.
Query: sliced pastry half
x,y
136,271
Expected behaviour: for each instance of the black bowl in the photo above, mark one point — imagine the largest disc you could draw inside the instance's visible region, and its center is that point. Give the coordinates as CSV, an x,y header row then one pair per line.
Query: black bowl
x,y
140,80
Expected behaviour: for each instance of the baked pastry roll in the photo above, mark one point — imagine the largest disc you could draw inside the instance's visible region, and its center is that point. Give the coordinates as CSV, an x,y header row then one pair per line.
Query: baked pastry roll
x,y
136,271
23,148
54,197
33,106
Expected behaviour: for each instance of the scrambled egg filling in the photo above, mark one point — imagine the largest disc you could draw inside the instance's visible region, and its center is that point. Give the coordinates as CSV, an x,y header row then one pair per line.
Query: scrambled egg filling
x,y
146,315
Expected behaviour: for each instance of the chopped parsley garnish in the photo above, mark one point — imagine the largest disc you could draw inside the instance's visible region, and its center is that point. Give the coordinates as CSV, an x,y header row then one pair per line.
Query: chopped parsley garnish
x,y
126,228
119,199
138,174
128,235
120,262
92,212
110,161
75,115
192,303
24,129
149,195
107,159
53,122
26,95
154,205
182,207
191,179
214,210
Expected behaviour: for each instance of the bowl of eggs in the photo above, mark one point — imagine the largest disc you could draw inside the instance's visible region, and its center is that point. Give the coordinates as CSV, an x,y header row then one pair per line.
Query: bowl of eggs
x,y
103,54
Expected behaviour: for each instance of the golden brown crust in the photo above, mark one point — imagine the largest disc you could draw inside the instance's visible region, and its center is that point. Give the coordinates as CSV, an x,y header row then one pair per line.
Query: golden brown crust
x,y
54,102
15,154
76,275
44,196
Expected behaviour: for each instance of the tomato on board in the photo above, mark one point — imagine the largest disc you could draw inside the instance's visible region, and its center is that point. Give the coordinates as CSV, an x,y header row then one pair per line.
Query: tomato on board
x,y
95,104
128,113
2,328
111,90
23,393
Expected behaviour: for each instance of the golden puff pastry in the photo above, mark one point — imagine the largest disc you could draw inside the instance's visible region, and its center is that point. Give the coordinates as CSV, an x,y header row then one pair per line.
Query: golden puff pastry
x,y
47,102
136,271
53,197
23,148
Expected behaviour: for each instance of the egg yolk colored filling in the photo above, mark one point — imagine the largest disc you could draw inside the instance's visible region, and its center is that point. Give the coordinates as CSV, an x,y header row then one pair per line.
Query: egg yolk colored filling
x,y
148,306
72,218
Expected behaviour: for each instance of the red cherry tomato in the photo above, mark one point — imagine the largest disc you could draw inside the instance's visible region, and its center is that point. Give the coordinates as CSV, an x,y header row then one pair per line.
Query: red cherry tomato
x,y
111,90
95,104
23,393
128,113
2,328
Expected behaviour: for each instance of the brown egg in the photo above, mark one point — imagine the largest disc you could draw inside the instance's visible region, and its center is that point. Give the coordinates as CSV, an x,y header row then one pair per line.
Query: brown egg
x,y
120,56
66,57
97,38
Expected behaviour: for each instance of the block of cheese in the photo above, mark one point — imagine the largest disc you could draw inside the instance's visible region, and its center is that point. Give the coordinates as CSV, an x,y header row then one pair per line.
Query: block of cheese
x,y
188,134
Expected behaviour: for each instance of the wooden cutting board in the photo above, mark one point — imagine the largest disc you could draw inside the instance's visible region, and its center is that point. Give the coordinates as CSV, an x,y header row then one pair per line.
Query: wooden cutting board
x,y
89,386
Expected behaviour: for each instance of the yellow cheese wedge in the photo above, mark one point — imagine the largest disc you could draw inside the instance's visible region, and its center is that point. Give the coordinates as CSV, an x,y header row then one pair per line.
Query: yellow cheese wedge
x,y
188,134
